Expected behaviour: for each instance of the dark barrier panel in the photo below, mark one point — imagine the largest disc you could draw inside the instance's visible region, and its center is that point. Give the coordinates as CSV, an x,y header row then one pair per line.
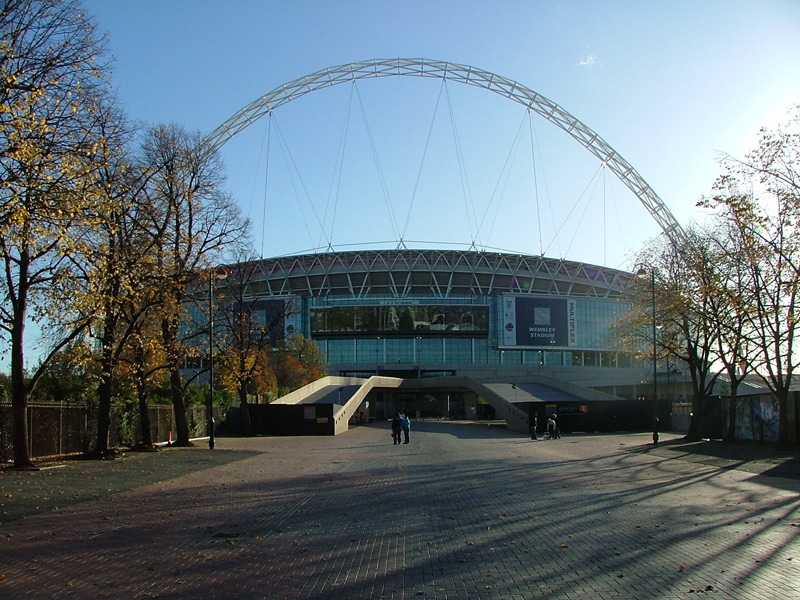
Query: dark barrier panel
x,y
292,419
621,415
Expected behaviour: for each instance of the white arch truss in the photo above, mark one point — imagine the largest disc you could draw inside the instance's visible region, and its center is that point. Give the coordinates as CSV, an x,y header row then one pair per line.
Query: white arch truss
x,y
418,67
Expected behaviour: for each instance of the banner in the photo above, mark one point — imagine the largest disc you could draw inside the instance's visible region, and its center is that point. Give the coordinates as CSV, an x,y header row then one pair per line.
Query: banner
x,y
539,322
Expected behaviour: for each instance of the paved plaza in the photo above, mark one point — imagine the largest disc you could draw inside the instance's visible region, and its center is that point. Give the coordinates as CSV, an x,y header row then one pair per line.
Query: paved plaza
x,y
462,512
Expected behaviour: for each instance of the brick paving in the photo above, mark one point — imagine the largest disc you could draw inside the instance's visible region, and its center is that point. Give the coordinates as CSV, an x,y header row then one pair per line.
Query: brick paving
x,y
461,512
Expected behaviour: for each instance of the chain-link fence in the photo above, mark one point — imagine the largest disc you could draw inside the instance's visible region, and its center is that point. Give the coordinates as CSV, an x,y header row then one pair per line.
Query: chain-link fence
x,y
59,428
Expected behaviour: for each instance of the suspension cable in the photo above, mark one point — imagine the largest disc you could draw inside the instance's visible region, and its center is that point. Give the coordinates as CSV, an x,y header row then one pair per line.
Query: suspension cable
x,y
382,179
540,154
535,183
502,183
469,204
422,161
575,205
266,184
294,172
338,169
605,231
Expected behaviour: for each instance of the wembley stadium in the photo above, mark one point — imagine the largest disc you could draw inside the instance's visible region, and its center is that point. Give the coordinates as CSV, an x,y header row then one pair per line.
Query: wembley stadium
x,y
455,334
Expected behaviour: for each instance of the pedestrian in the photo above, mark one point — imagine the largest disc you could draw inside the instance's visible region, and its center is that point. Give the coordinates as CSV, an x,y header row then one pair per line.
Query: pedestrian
x,y
556,428
405,423
551,427
397,425
534,426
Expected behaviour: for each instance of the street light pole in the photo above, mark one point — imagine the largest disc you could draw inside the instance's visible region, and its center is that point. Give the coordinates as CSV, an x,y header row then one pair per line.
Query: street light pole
x,y
220,274
641,274
655,357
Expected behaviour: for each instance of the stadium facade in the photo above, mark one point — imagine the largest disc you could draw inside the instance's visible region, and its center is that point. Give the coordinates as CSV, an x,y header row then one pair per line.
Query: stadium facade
x,y
461,330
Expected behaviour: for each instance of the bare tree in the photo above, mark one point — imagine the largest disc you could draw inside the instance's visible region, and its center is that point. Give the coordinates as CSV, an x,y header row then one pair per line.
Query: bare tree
x,y
192,222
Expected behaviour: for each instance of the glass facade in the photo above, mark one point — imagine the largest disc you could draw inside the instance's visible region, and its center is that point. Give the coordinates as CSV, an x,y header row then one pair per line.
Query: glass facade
x,y
400,319
376,348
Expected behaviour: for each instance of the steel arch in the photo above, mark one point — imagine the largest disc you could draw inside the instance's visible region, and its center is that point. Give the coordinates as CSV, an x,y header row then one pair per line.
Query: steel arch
x,y
417,67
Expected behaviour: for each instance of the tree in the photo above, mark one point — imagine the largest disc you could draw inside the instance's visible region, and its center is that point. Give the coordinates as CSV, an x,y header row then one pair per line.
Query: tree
x,y
683,329
699,334
719,265
143,361
65,378
758,200
121,282
299,361
192,223
248,329
53,106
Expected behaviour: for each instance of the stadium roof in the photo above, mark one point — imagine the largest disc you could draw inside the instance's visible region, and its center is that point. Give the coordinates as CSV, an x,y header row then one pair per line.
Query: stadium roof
x,y
438,273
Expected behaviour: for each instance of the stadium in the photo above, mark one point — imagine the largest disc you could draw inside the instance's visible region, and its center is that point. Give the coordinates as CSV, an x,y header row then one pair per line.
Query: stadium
x,y
457,335
453,334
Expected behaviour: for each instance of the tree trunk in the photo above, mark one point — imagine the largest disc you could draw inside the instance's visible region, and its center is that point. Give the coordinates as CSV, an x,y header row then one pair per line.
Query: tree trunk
x,y
103,416
169,332
730,434
179,408
695,425
19,405
244,413
731,430
141,392
783,412
104,394
19,392
144,416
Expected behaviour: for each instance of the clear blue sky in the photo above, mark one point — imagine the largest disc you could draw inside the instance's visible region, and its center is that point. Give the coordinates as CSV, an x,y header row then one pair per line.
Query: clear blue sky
x,y
670,85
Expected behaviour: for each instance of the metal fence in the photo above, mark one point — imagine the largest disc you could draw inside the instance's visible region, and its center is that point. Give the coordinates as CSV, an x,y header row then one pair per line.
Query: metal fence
x,y
59,428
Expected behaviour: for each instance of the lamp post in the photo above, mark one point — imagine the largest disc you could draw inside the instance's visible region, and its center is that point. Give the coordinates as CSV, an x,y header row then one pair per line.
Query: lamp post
x,y
643,273
220,274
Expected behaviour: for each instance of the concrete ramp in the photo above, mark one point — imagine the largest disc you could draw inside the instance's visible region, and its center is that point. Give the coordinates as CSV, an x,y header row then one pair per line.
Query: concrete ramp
x,y
345,393
325,406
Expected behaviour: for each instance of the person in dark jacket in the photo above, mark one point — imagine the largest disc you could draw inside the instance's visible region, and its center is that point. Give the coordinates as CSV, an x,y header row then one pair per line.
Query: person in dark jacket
x,y
397,426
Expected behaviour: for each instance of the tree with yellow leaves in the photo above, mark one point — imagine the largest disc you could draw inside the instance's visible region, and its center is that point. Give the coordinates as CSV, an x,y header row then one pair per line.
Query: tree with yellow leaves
x,y
121,285
54,103
142,363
